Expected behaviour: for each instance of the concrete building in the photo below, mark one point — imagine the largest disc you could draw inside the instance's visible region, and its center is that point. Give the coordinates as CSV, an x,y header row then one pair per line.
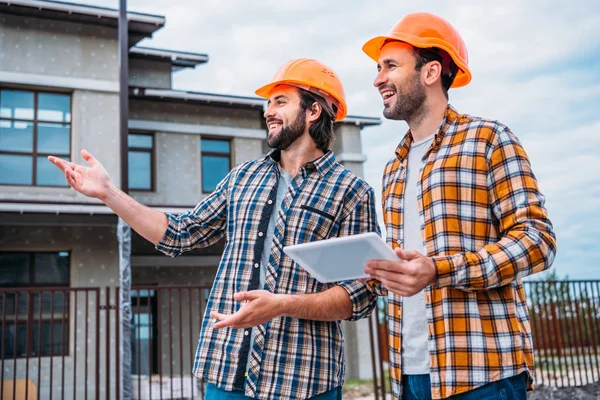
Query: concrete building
x,y
59,93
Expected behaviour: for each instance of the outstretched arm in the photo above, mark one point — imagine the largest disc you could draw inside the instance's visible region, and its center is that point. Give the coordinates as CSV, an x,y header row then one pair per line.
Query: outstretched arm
x,y
94,181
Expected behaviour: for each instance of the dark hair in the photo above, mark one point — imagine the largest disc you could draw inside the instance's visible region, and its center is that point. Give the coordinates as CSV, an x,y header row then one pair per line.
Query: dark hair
x,y
449,68
321,130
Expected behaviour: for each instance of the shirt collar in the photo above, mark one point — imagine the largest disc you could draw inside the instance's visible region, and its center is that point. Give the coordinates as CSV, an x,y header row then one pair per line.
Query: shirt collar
x,y
322,164
450,117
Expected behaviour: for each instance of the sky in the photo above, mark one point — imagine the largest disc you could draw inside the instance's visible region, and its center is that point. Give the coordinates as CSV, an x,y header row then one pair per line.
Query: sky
x,y
535,66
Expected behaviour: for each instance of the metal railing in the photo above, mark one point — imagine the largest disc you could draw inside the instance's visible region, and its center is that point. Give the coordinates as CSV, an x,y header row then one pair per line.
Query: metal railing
x,y
62,343
565,325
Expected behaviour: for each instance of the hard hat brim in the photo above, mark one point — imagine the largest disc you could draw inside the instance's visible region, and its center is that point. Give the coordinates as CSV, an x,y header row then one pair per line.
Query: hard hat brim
x,y
372,48
265,92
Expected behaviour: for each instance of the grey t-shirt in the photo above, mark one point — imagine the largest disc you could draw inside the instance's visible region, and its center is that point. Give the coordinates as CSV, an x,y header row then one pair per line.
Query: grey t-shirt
x,y
415,354
285,180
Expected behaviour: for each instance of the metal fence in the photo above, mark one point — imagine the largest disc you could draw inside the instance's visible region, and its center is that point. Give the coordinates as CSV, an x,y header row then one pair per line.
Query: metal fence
x,y
62,343
565,325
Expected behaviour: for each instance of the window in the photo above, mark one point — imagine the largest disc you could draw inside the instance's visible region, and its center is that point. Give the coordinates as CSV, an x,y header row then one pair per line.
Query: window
x,y
33,125
216,162
34,322
141,165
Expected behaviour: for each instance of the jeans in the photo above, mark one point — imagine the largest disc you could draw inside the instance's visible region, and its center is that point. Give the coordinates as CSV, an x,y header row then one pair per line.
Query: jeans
x,y
418,387
214,393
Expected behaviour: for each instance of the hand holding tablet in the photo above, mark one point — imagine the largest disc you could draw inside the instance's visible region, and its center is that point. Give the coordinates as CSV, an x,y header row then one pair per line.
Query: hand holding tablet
x,y
341,259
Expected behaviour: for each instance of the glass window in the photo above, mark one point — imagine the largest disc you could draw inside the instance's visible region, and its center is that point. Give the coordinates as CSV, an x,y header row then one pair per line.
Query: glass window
x,y
16,104
54,107
216,162
22,316
33,125
15,170
16,136
141,156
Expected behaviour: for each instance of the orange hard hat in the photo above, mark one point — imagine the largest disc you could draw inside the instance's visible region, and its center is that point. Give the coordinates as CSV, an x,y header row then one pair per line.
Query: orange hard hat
x,y
426,30
311,75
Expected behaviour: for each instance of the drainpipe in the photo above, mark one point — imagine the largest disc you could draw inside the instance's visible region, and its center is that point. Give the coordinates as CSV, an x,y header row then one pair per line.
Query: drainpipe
x,y
123,230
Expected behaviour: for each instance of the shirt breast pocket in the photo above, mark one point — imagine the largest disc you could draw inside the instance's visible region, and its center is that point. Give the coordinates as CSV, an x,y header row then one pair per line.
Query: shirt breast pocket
x,y
316,223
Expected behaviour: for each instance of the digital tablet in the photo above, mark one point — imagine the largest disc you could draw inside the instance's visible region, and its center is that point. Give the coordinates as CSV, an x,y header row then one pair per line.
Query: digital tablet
x,y
342,258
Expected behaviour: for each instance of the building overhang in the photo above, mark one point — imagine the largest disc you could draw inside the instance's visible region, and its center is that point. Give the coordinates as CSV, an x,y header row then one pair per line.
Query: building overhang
x,y
178,59
141,25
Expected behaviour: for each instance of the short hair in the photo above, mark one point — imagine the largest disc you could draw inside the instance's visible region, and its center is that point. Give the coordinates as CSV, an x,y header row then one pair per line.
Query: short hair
x,y
449,67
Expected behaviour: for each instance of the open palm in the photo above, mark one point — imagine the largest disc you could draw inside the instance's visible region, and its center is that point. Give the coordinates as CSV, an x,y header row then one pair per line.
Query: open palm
x,y
92,181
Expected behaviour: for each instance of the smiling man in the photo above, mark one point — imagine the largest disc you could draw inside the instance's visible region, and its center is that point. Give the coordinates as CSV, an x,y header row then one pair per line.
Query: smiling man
x,y
463,210
298,193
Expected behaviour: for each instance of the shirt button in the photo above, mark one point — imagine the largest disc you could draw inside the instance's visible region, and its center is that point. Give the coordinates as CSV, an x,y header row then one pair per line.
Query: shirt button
x,y
256,265
260,233
270,201
246,333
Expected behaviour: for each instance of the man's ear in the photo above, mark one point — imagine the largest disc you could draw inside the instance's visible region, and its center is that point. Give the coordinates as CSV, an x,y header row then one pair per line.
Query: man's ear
x,y
314,112
431,72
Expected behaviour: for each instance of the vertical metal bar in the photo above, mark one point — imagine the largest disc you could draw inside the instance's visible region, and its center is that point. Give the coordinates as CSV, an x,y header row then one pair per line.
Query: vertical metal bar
x,y
75,334
381,373
537,342
118,335
555,336
51,341
170,343
180,291
373,362
151,339
97,382
139,345
28,349
64,330
107,341
589,300
586,332
560,343
580,332
544,329
3,341
191,322
159,338
87,358
40,343
15,345
574,337
123,230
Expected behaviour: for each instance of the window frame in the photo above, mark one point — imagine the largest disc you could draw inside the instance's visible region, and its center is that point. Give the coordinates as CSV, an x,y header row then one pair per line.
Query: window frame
x,y
34,154
203,153
152,152
31,319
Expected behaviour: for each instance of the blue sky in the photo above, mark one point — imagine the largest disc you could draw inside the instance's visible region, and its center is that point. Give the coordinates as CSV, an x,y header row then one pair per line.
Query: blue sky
x,y
535,68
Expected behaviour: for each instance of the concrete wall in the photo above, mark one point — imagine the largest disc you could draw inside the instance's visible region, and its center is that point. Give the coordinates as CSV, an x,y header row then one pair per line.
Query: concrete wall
x,y
150,73
58,48
163,111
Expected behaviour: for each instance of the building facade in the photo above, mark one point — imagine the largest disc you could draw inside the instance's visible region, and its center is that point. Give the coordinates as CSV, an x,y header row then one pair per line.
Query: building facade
x,y
59,266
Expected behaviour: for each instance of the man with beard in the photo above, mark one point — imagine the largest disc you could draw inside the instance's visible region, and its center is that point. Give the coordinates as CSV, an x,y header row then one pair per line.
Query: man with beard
x,y
464,212
298,193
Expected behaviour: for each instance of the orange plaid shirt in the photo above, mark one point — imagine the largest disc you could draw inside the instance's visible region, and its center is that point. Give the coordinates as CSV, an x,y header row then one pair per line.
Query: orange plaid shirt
x,y
485,226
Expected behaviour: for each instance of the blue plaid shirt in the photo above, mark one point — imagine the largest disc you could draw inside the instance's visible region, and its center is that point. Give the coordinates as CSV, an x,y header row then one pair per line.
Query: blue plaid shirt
x,y
290,358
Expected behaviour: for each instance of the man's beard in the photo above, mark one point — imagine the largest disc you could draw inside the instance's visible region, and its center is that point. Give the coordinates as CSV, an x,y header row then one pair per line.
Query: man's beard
x,y
288,134
409,102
